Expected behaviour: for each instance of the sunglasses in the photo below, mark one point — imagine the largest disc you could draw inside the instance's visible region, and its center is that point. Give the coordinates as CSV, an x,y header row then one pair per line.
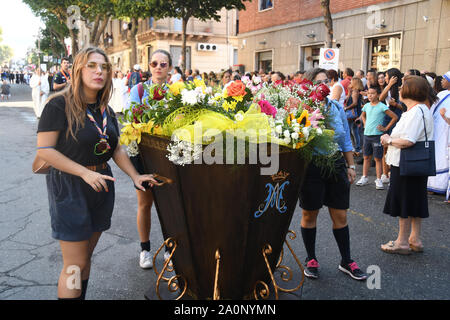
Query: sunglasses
x,y
93,66
154,64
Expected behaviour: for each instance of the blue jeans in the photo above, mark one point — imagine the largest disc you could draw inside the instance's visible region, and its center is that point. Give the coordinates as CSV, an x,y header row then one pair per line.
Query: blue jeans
x,y
357,133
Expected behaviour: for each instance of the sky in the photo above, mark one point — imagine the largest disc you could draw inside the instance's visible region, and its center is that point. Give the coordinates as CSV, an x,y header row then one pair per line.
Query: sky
x,y
19,26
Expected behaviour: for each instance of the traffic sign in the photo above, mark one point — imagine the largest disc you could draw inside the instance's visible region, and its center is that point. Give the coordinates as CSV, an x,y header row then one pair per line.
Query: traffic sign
x,y
329,58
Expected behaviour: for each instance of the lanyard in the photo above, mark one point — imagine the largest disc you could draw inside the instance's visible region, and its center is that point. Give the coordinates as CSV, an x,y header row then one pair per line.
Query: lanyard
x,y
102,146
64,75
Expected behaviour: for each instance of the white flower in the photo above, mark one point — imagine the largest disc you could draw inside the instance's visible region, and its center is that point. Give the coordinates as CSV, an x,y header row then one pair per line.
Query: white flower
x,y
279,129
287,140
305,132
245,79
294,135
296,129
319,131
256,80
287,133
188,97
199,92
208,90
239,117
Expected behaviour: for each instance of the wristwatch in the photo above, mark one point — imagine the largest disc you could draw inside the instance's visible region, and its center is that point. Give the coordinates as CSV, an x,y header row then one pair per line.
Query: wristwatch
x,y
352,167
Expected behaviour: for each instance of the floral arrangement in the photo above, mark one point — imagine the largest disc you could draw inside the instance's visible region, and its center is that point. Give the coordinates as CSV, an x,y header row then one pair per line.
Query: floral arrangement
x,y
291,115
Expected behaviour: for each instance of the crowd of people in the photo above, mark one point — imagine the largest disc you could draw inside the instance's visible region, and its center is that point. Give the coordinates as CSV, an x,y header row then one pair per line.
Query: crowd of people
x,y
384,112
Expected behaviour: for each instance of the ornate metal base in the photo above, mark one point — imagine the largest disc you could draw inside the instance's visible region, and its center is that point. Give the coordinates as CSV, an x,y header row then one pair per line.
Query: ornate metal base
x,y
286,274
173,283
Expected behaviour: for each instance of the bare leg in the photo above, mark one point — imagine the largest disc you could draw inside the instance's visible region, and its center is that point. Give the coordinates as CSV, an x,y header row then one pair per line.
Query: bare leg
x,y
378,167
403,233
366,165
414,238
145,201
75,258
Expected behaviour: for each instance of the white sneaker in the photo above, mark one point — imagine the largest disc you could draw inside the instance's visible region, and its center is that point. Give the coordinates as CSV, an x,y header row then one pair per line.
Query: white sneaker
x,y
379,184
384,178
145,260
363,181
166,257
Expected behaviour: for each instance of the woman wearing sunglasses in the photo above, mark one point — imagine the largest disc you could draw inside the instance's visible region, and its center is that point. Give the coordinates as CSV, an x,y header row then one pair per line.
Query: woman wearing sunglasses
x,y
160,66
77,134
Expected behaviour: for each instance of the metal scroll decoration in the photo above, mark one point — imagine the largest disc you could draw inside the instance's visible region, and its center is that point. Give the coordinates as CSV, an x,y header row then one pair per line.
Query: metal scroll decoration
x,y
173,283
286,272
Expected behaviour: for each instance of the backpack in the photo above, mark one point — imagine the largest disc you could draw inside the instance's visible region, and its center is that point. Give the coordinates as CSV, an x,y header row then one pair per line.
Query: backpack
x,y
135,78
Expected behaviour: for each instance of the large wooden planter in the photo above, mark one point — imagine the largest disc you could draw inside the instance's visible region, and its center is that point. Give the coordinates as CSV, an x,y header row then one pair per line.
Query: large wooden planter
x,y
214,215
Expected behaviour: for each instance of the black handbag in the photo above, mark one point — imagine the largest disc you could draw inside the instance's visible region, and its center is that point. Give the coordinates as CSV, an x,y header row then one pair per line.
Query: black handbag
x,y
420,159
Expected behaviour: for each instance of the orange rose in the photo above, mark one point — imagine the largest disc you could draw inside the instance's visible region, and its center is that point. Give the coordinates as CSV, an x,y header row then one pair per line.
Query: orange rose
x,y
236,88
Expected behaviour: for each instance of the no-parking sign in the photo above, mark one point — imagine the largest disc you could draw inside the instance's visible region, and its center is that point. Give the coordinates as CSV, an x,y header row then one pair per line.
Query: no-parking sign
x,y
329,58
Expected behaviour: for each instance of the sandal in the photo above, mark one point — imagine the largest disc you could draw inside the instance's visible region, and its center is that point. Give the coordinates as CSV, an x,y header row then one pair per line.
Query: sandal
x,y
416,248
391,248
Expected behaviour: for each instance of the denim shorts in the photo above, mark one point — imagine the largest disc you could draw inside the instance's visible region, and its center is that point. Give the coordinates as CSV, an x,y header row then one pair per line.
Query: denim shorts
x,y
373,146
77,210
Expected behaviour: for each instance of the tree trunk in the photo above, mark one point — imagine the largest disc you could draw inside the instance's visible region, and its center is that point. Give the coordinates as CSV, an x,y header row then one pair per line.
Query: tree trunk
x,y
94,30
183,48
74,36
98,29
133,42
325,5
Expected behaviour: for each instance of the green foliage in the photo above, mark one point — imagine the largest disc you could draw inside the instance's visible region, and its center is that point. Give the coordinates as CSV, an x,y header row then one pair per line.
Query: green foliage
x,y
6,52
200,9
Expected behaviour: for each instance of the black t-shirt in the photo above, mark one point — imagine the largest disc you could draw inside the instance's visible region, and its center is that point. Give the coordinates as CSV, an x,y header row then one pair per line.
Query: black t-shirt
x,y
54,118
59,78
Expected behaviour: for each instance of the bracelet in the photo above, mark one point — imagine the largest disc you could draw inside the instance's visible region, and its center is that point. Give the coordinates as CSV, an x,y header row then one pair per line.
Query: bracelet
x,y
45,148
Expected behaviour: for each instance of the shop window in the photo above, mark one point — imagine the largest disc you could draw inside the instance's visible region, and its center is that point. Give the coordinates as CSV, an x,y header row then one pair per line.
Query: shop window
x,y
385,53
264,61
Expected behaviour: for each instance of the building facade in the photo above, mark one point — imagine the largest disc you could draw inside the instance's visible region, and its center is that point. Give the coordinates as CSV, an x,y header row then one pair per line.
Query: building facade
x,y
211,45
286,35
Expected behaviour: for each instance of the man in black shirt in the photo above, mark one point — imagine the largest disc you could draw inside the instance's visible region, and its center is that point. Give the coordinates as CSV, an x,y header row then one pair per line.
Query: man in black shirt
x,y
62,78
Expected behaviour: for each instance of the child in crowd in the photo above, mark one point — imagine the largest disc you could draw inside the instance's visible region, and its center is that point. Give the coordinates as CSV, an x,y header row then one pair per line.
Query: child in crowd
x,y
372,115
6,90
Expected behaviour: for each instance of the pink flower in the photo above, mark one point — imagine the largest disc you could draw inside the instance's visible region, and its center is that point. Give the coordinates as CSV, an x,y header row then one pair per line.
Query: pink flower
x,y
267,108
314,118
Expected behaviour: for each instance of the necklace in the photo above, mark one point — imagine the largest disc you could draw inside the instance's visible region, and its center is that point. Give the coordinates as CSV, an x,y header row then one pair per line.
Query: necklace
x,y
102,146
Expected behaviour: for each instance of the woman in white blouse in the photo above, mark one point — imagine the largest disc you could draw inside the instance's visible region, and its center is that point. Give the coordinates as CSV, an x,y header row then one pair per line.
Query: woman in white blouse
x,y
407,195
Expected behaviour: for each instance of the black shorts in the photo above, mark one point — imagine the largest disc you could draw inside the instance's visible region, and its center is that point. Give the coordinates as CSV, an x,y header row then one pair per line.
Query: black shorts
x,y
322,188
139,166
373,146
77,210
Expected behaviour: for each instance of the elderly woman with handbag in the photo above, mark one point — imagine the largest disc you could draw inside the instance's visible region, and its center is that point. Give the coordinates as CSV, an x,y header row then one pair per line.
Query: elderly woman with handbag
x,y
407,195
77,134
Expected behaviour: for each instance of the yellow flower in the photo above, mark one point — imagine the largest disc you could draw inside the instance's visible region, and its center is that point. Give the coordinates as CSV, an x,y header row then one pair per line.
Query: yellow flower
x,y
176,88
303,119
229,105
238,98
131,132
200,83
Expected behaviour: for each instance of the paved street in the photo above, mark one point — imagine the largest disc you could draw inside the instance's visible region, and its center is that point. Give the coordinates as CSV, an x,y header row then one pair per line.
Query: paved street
x,y
30,260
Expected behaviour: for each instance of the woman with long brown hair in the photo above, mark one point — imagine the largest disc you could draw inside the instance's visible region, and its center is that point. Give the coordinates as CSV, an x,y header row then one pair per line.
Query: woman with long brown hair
x,y
77,134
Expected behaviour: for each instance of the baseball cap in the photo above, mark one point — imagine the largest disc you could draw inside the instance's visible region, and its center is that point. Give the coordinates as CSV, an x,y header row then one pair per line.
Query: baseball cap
x,y
137,67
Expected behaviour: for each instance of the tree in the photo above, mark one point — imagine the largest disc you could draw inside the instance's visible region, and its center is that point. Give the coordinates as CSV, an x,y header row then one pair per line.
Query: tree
x,y
97,14
325,5
59,10
202,10
133,10
6,52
